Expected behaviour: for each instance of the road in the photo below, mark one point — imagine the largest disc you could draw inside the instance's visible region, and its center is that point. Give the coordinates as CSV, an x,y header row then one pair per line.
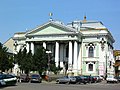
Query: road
x,y
53,86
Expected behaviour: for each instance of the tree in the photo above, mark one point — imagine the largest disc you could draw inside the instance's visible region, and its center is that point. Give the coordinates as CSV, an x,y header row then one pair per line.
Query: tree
x,y
40,60
24,60
37,62
53,67
6,60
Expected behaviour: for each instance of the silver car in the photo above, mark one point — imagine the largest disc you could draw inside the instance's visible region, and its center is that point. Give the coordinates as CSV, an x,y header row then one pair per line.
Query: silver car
x,y
66,79
111,79
35,78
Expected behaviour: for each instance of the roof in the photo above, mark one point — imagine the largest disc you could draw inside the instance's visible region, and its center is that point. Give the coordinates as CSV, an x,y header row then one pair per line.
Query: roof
x,y
116,52
116,64
88,24
54,23
9,51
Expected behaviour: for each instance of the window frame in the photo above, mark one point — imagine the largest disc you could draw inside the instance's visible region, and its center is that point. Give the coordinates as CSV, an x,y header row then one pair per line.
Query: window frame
x,y
91,51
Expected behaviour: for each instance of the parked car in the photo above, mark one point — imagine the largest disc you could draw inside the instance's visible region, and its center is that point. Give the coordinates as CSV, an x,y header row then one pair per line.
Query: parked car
x,y
111,79
66,79
118,78
7,79
24,78
35,78
81,79
90,79
97,79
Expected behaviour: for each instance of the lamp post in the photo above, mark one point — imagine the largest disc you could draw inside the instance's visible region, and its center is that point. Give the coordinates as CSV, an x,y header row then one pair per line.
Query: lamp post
x,y
48,52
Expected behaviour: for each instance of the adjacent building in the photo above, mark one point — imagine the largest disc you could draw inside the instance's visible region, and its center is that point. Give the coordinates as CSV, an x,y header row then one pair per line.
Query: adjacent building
x,y
85,46
117,62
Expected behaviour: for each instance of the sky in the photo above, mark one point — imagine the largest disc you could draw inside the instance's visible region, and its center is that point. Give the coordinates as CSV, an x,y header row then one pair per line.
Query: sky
x,y
22,15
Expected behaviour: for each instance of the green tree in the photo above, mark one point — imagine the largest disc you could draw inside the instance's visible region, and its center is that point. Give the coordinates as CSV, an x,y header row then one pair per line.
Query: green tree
x,y
24,60
37,62
53,67
40,60
43,61
6,60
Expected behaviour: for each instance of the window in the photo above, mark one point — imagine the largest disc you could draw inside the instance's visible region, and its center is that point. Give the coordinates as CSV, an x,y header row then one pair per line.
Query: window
x,y
90,67
91,52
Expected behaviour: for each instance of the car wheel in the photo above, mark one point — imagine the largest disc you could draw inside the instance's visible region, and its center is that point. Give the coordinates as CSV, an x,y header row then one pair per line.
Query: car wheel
x,y
68,82
77,82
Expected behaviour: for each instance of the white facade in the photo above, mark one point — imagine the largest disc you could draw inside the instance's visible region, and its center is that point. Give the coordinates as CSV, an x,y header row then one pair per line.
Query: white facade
x,y
86,46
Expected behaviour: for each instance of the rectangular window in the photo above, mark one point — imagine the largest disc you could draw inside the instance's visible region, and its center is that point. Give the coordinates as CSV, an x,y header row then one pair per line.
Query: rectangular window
x,y
90,67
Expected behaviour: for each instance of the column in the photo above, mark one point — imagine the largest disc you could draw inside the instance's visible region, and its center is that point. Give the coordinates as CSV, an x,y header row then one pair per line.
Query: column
x,y
70,55
75,64
32,47
27,47
44,45
57,53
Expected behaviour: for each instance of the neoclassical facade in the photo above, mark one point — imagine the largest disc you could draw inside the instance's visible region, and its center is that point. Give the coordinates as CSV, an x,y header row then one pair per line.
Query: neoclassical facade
x,y
86,46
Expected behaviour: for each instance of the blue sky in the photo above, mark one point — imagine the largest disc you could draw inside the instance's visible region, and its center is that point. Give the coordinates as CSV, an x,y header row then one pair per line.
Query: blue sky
x,y
19,15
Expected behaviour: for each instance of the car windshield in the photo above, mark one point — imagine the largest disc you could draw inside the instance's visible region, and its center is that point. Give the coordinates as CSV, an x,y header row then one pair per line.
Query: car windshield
x,y
34,76
1,76
110,76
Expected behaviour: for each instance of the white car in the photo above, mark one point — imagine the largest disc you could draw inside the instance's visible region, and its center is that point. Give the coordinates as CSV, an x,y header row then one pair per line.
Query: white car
x,y
111,79
7,79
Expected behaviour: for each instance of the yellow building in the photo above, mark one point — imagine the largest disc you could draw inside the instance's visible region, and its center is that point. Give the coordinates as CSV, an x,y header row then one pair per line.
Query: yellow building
x,y
117,62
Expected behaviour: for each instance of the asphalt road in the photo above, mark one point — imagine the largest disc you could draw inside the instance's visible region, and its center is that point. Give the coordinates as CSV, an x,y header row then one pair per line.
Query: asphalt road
x,y
53,86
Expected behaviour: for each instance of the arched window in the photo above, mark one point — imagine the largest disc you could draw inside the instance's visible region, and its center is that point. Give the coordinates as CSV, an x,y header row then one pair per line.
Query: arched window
x,y
91,52
90,67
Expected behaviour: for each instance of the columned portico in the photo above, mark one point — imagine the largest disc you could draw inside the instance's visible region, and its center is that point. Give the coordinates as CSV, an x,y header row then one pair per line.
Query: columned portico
x,y
57,53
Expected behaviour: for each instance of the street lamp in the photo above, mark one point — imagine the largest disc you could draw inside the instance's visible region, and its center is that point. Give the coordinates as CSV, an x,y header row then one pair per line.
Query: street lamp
x,y
48,52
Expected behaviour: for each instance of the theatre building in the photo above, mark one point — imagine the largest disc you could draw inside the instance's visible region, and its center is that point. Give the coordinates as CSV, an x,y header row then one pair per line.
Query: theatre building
x,y
86,46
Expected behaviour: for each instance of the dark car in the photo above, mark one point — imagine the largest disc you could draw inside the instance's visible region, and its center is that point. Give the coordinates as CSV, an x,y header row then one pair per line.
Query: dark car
x,y
66,79
81,79
118,78
97,78
24,78
7,79
35,78
90,79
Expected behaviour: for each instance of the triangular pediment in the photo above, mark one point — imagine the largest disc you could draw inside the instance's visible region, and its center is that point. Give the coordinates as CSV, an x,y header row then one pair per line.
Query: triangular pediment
x,y
51,29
